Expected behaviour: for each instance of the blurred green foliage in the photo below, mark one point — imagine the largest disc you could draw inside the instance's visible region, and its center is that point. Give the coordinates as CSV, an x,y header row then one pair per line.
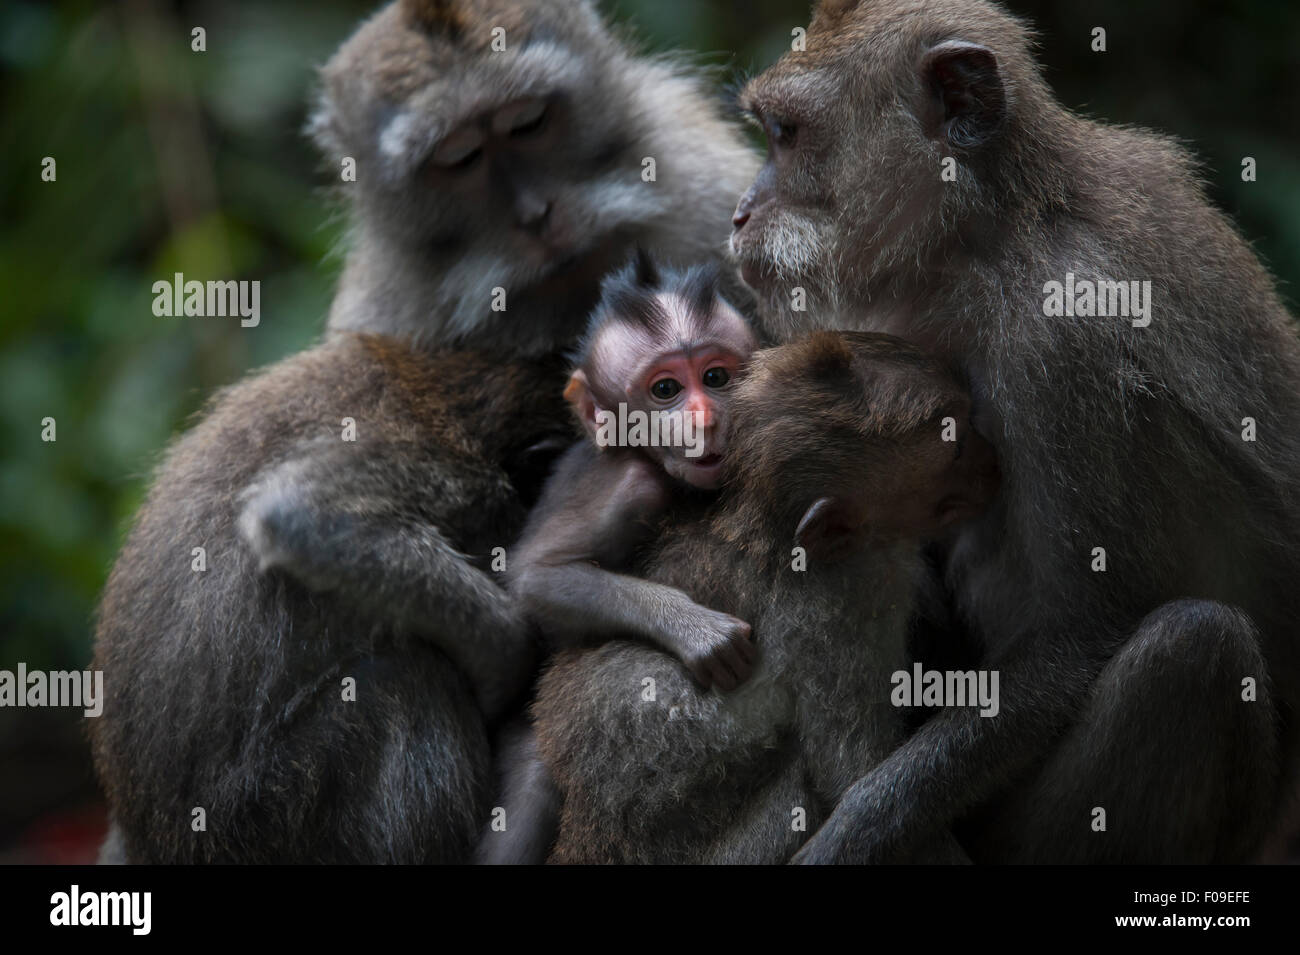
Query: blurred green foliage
x,y
170,160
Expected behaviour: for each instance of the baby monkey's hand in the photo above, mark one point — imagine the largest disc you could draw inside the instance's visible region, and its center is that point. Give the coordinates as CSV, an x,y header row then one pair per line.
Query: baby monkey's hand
x,y
717,648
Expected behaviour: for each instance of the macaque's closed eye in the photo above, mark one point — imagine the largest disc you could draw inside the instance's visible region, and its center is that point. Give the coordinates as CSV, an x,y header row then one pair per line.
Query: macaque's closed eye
x,y
781,133
521,118
460,150
780,129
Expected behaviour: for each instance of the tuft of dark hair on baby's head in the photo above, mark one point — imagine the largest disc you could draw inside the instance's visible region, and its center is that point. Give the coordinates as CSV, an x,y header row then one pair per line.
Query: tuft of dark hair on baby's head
x,y
632,294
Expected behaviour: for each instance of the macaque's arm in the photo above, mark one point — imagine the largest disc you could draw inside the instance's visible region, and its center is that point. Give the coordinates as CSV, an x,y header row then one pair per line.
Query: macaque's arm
x,y
530,799
956,760
345,518
594,511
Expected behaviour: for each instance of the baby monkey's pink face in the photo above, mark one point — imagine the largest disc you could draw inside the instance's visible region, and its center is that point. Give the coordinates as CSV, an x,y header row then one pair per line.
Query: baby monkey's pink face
x,y
675,374
696,382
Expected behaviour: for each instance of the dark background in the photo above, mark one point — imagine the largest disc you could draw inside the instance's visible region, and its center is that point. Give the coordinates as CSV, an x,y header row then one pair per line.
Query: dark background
x,y
170,160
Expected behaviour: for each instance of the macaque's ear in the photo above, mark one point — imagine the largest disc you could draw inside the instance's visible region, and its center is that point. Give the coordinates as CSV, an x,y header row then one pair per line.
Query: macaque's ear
x,y
967,97
963,490
578,393
828,528
972,482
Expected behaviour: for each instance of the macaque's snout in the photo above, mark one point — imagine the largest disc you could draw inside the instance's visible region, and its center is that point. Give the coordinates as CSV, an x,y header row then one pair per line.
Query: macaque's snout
x,y
745,208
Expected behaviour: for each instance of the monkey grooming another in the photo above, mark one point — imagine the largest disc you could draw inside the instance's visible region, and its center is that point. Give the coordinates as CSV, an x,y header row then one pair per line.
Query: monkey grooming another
x,y
276,558
665,350
1134,584
835,448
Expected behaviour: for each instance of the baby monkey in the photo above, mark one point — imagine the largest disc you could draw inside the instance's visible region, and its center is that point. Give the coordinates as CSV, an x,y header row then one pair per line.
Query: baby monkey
x,y
653,380
654,375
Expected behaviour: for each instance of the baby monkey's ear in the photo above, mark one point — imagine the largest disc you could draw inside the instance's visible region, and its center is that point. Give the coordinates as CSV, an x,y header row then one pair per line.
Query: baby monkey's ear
x,y
578,393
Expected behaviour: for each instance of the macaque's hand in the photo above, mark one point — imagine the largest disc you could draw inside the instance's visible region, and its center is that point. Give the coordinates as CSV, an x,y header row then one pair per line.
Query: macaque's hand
x,y
499,682
716,647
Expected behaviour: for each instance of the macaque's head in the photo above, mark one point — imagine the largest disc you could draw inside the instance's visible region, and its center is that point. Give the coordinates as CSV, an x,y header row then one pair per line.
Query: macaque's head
x,y
668,349
844,437
501,143
886,137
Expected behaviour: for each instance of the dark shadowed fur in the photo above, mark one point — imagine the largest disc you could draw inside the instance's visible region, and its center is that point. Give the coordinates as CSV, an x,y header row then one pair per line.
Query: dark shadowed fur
x,y
698,776
236,705
1121,689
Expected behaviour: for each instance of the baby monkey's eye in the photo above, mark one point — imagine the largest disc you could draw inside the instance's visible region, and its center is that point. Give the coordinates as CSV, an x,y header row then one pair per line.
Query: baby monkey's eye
x,y
665,388
716,377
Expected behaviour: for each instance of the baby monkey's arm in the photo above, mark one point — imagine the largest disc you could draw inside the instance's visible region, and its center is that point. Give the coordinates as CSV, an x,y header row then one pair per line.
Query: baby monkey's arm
x,y
594,511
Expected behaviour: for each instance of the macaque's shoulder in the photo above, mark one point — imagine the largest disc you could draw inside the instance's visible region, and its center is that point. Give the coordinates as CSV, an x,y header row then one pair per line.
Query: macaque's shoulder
x,y
448,373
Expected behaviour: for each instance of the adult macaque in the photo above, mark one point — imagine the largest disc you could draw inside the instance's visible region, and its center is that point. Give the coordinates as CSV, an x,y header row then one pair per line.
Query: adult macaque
x,y
1135,583
836,448
328,556
492,189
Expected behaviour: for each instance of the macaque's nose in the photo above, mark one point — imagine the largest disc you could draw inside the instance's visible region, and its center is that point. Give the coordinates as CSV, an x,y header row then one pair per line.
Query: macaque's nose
x,y
743,209
531,212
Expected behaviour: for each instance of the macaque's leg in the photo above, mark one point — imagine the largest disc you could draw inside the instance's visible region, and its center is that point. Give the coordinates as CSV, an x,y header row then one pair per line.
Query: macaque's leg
x,y
1161,739
773,825
531,801
332,519
1182,765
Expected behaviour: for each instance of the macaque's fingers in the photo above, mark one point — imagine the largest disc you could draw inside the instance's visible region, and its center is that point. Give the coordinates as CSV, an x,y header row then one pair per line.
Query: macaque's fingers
x,y
700,672
735,661
737,652
724,679
743,641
